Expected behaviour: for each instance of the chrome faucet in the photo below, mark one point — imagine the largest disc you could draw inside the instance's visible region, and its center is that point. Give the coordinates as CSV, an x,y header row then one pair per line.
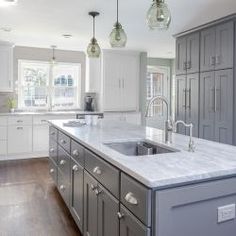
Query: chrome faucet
x,y
168,122
191,145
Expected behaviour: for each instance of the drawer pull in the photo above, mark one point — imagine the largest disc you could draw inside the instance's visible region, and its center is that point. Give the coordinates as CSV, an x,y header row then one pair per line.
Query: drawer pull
x,y
97,191
44,121
62,162
131,199
52,150
93,187
97,170
19,128
120,215
51,171
75,168
62,188
63,141
53,133
19,121
75,153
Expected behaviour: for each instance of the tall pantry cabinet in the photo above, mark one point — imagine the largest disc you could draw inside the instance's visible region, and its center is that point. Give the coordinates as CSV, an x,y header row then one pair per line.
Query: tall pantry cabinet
x,y
212,88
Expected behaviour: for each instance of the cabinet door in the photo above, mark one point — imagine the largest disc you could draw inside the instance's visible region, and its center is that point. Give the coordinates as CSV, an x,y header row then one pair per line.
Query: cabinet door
x,y
40,138
19,139
207,112
108,207
131,226
192,111
208,42
90,206
77,191
181,55
180,101
224,46
224,106
6,68
193,53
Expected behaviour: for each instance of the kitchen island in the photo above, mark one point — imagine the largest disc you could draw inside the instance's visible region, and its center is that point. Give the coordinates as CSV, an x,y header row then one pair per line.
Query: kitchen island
x,y
169,194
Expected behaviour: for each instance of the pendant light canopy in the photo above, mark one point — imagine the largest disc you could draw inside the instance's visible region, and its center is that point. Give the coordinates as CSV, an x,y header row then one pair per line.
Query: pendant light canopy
x,y
158,15
93,49
118,37
53,59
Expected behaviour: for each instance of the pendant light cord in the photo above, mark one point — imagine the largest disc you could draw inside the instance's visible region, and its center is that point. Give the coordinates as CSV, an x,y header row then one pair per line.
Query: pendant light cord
x,y
93,26
117,11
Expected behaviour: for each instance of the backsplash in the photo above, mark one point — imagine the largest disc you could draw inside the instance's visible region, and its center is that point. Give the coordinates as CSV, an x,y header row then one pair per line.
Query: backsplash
x,y
3,101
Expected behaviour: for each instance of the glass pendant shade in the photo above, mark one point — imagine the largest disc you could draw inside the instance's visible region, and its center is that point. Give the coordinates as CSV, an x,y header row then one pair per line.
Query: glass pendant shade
x,y
118,37
158,15
93,49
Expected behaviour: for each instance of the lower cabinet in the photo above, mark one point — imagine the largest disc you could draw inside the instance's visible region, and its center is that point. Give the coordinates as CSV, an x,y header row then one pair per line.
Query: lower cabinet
x,y
77,192
63,187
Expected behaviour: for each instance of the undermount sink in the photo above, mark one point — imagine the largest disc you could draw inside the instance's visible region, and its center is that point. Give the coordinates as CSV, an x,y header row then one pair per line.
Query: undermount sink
x,y
139,148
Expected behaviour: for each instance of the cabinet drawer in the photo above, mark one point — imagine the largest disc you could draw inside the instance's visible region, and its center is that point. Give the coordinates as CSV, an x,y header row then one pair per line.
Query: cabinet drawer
x,y
136,198
130,224
105,173
41,120
53,150
3,120
20,120
63,187
77,152
64,163
64,141
3,133
53,133
53,171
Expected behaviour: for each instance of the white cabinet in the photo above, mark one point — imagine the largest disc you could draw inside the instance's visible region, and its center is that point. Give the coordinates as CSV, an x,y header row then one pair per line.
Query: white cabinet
x,y
6,67
120,81
3,136
19,139
40,138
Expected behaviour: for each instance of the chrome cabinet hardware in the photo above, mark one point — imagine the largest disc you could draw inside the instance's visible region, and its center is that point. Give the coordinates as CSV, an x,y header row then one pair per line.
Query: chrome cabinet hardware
x,y
130,198
43,121
185,98
185,66
75,153
189,98
62,188
51,150
19,121
218,60
51,171
120,215
97,170
62,162
53,133
213,60
93,187
97,191
19,128
75,168
215,99
189,65
63,141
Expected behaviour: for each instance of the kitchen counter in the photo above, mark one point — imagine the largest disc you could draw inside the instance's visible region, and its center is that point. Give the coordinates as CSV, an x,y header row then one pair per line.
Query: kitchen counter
x,y
210,161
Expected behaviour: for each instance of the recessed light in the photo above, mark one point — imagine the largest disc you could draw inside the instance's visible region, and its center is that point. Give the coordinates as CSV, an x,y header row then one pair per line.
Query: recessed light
x,y
67,36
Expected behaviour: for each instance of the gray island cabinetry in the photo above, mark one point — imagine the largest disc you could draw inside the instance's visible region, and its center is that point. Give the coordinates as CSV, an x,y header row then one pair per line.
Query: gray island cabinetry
x,y
108,199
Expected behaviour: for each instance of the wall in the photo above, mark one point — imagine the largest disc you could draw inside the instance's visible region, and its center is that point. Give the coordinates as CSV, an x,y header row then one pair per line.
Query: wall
x,y
43,54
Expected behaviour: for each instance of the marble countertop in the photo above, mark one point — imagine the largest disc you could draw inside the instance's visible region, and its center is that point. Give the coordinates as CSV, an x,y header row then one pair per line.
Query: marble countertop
x,y
210,161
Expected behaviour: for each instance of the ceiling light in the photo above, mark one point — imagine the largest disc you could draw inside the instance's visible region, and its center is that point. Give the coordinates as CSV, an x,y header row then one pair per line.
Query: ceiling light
x,y
158,15
93,49
67,36
118,37
5,3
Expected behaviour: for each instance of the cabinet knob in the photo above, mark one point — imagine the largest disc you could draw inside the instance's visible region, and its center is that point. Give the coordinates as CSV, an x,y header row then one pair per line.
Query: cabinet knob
x,y
130,198
97,170
75,168
51,171
62,188
93,187
62,162
97,191
51,150
75,153
63,141
120,215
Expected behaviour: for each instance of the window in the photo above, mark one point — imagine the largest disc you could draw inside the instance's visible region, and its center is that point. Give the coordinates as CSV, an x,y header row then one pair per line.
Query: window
x,y
42,85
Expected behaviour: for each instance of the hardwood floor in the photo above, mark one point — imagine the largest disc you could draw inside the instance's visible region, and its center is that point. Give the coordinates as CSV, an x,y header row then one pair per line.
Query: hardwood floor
x,y
29,202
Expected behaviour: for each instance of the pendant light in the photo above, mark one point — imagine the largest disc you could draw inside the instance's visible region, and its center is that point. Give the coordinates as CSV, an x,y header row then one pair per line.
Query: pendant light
x,y
118,37
93,49
53,59
158,15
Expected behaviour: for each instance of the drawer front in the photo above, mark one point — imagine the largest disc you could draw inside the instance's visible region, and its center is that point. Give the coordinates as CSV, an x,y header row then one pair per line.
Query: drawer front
x,y
3,120
53,171
20,120
3,133
41,120
105,173
63,188
64,141
77,152
53,150
53,133
131,226
136,198
64,163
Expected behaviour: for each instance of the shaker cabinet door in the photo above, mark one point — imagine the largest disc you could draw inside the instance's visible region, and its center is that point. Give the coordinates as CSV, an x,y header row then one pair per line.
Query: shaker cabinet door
x,y
181,56
224,46
224,106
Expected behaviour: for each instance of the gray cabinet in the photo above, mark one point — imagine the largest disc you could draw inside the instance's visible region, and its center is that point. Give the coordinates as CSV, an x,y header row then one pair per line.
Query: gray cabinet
x,y
217,44
216,106
77,193
181,54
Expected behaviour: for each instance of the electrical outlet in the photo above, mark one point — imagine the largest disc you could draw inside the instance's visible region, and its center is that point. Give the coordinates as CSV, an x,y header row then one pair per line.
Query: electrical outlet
x,y
226,213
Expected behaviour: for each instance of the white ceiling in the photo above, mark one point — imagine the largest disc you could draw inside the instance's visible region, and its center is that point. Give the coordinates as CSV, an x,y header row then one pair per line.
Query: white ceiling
x,y
41,23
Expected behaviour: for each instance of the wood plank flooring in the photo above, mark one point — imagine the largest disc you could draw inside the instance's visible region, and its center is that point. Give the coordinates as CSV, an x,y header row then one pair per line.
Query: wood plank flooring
x,y
30,204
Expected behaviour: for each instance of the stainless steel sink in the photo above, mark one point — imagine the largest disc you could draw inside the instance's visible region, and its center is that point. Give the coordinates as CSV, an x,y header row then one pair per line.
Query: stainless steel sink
x,y
140,148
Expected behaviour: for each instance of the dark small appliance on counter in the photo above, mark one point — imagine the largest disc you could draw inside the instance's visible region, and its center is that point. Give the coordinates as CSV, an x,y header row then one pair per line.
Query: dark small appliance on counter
x,y
90,102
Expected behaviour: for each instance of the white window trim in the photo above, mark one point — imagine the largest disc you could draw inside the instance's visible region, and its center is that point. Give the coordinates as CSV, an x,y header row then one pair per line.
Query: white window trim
x,y
50,86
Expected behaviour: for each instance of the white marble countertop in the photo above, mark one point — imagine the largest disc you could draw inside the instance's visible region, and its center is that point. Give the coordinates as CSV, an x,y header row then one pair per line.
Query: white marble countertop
x,y
210,161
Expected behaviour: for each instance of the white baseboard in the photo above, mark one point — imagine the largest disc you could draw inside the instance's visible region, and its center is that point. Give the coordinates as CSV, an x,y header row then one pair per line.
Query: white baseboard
x,y
23,156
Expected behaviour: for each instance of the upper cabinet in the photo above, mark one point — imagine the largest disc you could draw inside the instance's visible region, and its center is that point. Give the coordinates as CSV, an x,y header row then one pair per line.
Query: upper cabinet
x,y
120,81
187,54
217,47
6,67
